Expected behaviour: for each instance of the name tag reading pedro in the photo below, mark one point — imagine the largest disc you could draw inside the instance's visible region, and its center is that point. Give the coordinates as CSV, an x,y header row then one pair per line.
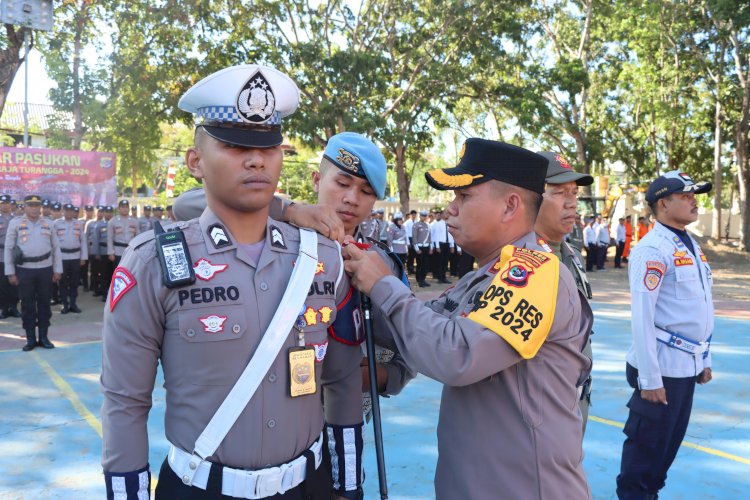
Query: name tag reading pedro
x,y
519,304
302,371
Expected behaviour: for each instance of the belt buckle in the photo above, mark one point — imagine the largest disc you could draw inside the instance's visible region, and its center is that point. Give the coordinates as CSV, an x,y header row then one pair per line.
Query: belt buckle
x,y
268,482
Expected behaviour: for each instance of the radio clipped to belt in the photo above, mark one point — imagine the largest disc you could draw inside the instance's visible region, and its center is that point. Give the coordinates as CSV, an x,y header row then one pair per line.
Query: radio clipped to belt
x,y
174,257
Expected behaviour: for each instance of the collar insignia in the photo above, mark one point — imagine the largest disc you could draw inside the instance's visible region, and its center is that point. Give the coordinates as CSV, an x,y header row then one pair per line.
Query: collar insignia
x,y
256,101
277,239
205,270
218,236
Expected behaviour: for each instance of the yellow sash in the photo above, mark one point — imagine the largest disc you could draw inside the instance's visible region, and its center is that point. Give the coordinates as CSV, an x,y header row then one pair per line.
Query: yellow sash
x,y
519,304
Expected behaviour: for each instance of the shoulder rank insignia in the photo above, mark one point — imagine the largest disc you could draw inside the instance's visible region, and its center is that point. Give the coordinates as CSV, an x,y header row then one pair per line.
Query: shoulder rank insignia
x,y
518,305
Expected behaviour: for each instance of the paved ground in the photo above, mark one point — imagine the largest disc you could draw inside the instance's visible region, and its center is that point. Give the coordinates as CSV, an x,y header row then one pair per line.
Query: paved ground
x,y
50,432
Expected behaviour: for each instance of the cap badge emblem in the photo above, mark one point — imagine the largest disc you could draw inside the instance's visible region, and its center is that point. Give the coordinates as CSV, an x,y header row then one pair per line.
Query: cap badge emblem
x,y
563,162
256,101
348,160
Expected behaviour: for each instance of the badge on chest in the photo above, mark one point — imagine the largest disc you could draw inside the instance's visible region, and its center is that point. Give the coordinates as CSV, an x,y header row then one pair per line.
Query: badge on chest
x,y
301,362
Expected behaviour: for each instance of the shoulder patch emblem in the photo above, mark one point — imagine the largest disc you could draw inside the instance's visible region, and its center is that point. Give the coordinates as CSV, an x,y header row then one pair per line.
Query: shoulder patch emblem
x,y
122,282
218,236
521,315
654,272
213,323
277,239
205,270
320,351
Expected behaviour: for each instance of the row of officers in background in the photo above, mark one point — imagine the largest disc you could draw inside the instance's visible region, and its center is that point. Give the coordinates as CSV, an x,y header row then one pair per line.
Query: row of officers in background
x,y
423,243
48,251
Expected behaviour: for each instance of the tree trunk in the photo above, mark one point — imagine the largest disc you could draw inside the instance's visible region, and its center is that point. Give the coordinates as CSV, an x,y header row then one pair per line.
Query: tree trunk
x,y
716,215
77,118
403,182
10,61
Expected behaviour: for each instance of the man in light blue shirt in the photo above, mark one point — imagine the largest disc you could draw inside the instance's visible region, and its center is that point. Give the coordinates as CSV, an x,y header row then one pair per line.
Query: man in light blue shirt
x,y
672,321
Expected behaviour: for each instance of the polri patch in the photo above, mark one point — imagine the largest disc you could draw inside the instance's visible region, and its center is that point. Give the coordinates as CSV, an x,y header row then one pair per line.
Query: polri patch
x,y
213,323
205,270
122,283
256,101
320,351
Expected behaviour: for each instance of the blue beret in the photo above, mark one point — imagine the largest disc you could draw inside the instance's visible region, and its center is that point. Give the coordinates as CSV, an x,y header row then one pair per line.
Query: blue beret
x,y
359,156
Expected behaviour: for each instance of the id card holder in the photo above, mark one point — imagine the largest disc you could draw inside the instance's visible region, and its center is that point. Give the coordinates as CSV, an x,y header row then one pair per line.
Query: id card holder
x,y
302,371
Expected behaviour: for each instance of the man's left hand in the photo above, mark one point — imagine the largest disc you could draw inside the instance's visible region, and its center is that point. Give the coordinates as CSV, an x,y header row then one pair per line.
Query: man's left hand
x,y
705,376
320,218
365,268
56,277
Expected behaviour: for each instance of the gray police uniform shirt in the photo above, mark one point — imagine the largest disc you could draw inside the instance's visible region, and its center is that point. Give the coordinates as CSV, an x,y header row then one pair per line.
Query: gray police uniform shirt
x,y
4,223
91,242
120,230
100,237
145,224
204,335
72,237
670,287
369,228
35,239
397,239
420,236
508,427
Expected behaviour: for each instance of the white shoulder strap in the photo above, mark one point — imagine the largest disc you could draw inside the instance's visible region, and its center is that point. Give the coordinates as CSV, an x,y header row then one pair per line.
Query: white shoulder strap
x,y
267,351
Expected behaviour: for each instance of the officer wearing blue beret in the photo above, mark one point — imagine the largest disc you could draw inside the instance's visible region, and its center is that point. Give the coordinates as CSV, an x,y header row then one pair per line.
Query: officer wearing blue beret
x,y
672,322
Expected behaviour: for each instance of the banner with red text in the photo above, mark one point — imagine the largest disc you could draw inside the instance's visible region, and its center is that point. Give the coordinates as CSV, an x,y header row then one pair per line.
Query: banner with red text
x,y
77,177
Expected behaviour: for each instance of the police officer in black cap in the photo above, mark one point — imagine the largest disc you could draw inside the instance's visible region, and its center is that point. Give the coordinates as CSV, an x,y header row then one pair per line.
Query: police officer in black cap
x,y
8,292
33,262
72,236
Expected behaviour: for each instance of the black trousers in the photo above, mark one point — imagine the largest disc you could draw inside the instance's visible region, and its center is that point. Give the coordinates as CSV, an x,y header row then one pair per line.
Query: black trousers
x,y
69,281
453,259
440,261
35,286
8,292
653,436
618,253
84,279
465,264
411,258
423,263
601,255
590,257
108,268
316,486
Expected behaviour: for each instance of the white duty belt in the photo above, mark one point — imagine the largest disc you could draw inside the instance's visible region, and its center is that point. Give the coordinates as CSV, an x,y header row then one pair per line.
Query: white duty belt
x,y
681,343
255,371
241,483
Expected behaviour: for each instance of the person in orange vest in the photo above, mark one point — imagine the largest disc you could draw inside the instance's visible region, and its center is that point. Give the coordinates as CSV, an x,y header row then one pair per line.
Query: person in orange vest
x,y
628,238
642,229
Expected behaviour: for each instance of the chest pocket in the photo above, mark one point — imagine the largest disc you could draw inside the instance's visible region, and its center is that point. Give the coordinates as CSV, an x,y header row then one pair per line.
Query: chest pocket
x,y
687,283
213,324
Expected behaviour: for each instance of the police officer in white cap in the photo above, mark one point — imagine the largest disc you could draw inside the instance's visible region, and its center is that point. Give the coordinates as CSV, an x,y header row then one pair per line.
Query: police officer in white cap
x,y
672,320
245,350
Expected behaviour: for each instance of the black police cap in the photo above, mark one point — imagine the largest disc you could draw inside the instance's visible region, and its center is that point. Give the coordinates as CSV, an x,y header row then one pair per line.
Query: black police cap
x,y
5,198
483,160
33,198
123,203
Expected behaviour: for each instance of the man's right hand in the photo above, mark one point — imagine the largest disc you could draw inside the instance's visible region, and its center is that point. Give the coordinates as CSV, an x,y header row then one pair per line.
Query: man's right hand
x,y
655,395
320,218
111,258
13,280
